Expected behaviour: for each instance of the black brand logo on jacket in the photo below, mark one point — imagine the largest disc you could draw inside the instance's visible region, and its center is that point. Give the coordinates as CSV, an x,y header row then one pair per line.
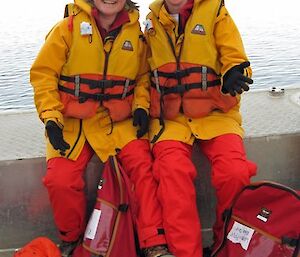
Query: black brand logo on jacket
x,y
264,214
127,46
199,29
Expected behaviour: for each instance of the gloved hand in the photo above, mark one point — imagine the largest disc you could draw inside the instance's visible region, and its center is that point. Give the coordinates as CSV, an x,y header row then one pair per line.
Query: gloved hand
x,y
141,119
55,136
234,81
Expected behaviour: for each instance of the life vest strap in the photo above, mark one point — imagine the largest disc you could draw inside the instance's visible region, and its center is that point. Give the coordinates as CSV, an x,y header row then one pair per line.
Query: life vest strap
x,y
179,74
180,89
82,96
93,84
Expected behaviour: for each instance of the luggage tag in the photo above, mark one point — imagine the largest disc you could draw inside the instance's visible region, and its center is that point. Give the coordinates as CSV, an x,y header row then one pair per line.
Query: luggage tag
x,y
91,228
240,234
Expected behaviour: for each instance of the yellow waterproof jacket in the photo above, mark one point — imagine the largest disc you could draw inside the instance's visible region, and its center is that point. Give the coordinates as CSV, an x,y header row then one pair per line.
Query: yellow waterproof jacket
x,y
218,46
71,52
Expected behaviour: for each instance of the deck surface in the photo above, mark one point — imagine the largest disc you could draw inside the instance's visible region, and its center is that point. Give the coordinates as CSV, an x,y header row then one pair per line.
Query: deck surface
x,y
7,254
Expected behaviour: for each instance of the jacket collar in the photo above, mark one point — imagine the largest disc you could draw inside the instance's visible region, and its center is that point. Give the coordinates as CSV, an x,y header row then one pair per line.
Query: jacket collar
x,y
121,18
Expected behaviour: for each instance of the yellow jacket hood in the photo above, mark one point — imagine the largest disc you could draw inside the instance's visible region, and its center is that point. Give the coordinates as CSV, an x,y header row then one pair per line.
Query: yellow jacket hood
x,y
83,5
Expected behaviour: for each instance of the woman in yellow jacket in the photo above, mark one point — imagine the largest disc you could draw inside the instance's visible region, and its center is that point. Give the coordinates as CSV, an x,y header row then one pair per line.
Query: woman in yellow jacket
x,y
89,78
198,71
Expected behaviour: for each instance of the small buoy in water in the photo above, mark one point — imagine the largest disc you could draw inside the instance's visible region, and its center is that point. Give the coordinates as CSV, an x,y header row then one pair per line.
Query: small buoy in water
x,y
276,91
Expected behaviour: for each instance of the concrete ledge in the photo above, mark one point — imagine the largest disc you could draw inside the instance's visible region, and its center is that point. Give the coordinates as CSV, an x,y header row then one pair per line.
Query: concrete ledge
x,y
25,212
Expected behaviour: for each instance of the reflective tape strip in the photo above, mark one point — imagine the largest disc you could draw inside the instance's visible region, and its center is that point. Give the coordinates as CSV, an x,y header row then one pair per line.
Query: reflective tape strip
x,y
204,78
156,80
125,88
77,85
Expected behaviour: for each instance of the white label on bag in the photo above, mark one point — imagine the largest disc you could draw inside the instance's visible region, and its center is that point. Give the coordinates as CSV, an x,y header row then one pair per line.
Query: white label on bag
x,y
91,228
240,234
264,219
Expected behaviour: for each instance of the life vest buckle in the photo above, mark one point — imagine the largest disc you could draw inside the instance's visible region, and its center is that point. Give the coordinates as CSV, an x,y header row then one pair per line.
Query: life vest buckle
x,y
102,97
180,89
102,84
179,74
82,99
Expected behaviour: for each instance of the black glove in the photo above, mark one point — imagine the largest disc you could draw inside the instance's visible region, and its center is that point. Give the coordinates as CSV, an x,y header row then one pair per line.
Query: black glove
x,y
141,119
55,136
234,81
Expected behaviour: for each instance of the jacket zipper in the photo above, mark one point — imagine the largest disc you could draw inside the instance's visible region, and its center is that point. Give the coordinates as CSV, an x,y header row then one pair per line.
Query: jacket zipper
x,y
77,139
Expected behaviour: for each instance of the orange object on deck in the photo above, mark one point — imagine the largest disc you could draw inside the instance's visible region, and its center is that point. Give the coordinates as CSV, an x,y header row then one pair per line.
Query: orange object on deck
x,y
39,247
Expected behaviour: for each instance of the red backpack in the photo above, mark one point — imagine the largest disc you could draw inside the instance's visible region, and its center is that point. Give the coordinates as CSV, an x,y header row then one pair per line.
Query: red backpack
x,y
263,221
110,230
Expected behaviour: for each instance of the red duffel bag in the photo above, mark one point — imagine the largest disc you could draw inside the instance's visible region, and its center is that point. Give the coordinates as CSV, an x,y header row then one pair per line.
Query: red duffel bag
x,y
263,221
110,230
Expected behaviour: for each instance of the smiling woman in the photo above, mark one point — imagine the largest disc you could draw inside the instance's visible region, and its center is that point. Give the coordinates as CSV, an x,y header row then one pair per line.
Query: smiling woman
x,y
91,103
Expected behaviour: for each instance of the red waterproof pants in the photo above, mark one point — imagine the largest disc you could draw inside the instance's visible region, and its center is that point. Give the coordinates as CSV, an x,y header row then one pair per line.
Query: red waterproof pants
x,y
65,184
175,173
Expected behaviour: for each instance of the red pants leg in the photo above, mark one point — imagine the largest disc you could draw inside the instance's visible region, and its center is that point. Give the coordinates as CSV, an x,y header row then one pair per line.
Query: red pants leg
x,y
230,170
175,173
65,185
136,159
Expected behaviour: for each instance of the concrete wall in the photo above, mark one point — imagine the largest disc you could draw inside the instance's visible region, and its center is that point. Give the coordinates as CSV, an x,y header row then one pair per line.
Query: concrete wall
x,y
24,207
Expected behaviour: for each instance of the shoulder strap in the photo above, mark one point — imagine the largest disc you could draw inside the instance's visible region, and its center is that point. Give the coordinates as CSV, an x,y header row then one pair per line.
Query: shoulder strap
x,y
66,13
71,10
222,3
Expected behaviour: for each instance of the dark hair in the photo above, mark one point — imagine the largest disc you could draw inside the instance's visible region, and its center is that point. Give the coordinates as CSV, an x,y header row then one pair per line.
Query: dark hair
x,y
130,5
91,2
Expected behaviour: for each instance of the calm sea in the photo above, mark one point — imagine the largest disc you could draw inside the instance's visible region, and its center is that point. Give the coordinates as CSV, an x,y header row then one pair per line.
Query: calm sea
x,y
270,31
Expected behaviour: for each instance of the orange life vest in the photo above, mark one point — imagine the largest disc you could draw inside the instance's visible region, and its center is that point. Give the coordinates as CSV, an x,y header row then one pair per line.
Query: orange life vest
x,y
185,75
93,75
192,89
83,94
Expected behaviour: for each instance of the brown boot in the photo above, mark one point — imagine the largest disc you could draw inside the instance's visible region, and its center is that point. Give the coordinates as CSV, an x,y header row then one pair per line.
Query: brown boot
x,y
67,248
207,251
157,251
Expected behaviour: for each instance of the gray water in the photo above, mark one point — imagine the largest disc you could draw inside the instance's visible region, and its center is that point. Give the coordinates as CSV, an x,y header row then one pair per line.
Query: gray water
x,y
270,31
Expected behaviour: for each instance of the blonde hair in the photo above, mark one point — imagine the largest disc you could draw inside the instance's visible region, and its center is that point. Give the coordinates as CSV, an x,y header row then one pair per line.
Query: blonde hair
x,y
130,5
